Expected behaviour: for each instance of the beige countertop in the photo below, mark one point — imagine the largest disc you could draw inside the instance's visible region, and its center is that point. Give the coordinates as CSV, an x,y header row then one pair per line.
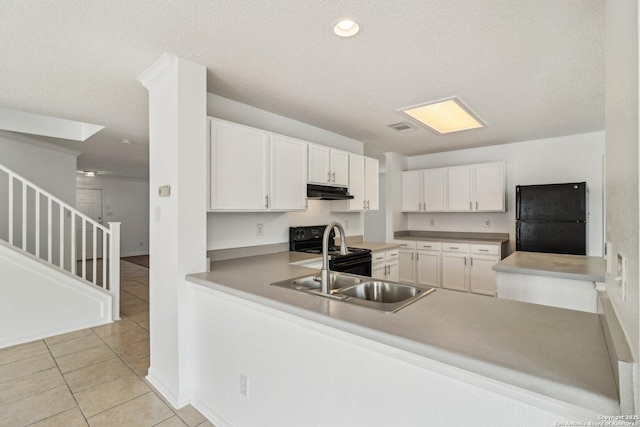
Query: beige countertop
x,y
551,351
576,267
375,246
452,236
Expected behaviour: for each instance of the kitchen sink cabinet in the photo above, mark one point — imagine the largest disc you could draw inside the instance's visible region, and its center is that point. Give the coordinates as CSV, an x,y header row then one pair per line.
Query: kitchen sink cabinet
x,y
272,174
328,166
428,268
482,279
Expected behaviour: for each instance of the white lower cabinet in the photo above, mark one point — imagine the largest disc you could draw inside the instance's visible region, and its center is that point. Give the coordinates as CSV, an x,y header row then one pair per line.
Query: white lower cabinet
x,y
385,265
465,267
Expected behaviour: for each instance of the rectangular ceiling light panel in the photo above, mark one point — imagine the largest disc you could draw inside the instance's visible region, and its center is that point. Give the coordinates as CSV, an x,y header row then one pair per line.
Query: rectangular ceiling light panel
x,y
446,116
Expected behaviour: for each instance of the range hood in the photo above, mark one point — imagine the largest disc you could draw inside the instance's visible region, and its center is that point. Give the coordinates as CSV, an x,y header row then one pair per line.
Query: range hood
x,y
325,192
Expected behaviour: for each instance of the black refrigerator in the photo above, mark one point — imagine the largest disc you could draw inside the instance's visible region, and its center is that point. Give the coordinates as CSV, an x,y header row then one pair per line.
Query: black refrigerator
x,y
552,218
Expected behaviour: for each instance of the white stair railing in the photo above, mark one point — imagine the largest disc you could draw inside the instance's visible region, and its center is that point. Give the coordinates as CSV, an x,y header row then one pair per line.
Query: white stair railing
x,y
48,228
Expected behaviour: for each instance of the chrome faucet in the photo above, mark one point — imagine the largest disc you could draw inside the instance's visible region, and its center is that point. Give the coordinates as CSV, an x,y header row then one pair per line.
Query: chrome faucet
x,y
325,273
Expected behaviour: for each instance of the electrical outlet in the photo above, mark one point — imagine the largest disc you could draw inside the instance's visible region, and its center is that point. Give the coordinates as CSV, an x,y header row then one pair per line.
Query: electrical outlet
x,y
432,222
487,223
259,229
244,385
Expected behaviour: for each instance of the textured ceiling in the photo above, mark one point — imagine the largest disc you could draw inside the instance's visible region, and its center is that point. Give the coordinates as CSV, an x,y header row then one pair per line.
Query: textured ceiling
x,y
529,69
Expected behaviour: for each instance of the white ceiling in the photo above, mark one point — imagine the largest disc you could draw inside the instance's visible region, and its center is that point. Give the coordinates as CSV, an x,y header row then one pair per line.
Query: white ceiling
x,y
529,69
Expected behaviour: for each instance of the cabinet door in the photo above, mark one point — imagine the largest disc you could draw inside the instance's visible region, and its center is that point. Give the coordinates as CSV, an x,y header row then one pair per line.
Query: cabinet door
x,y
412,191
428,267
319,164
393,272
459,188
340,168
357,183
238,167
406,267
489,187
288,174
482,279
371,181
378,271
434,190
454,271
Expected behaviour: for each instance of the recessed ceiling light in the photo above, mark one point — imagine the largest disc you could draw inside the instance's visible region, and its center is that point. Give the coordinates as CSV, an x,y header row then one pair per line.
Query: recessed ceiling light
x,y
346,28
126,141
445,116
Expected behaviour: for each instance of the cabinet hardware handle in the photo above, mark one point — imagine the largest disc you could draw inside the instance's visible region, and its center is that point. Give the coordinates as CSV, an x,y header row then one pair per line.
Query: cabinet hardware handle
x,y
483,250
411,256
266,201
334,177
364,204
470,206
418,256
453,247
465,260
427,246
328,176
471,259
306,202
476,205
368,204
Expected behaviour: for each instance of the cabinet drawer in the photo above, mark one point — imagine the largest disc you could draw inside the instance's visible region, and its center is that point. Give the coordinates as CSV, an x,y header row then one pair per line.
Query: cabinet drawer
x,y
378,257
429,246
455,247
485,249
406,244
392,254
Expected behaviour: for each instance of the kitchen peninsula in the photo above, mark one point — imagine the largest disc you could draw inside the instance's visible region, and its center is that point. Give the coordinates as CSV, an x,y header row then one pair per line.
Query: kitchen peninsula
x,y
450,358
567,281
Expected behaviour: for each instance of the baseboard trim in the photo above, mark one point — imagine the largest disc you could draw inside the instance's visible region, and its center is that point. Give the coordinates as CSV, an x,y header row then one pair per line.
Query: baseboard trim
x,y
178,400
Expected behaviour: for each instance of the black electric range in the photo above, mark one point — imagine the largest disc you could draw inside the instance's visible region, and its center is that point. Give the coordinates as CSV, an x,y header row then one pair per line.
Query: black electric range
x,y
309,240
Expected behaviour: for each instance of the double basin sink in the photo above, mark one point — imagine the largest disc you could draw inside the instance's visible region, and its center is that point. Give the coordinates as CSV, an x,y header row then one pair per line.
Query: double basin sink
x,y
359,290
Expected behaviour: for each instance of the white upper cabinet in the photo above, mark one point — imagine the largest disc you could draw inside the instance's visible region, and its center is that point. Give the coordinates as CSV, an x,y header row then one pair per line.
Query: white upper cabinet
x,y
424,190
412,193
238,167
288,174
489,187
363,186
434,190
471,188
328,166
459,189
319,164
372,183
254,170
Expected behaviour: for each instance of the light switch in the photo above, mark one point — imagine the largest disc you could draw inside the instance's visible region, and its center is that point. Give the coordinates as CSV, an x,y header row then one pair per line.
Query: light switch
x,y
164,191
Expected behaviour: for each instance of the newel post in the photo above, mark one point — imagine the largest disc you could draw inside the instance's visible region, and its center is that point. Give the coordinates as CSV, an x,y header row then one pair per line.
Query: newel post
x,y
114,269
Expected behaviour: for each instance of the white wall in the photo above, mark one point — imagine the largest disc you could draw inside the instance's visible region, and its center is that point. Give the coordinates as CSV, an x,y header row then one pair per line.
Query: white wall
x,y
38,301
231,230
622,201
573,158
124,200
48,166
300,374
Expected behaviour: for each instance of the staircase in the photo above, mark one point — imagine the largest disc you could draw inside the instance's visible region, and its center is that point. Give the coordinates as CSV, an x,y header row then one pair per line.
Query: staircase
x,y
59,269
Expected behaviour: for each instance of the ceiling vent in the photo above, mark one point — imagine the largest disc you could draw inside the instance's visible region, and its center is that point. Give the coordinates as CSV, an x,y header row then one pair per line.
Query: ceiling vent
x,y
402,127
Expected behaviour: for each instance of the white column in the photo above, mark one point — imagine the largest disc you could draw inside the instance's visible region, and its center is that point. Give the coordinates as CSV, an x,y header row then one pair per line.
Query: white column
x,y
177,155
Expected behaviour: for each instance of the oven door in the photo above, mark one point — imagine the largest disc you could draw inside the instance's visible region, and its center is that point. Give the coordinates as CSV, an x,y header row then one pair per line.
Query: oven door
x,y
360,265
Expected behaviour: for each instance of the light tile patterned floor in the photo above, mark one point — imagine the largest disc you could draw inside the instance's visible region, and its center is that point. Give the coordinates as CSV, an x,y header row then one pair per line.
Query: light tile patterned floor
x,y
93,376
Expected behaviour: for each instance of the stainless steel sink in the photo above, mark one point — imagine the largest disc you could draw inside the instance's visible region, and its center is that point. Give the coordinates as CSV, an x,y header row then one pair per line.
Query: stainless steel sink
x,y
381,291
359,290
305,283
